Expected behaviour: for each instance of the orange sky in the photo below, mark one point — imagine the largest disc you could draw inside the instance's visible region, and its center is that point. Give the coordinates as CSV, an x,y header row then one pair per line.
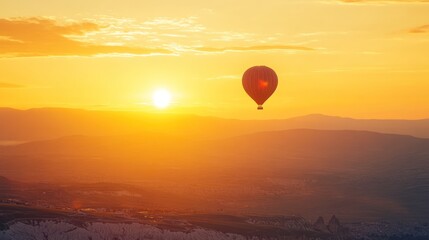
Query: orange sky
x,y
356,58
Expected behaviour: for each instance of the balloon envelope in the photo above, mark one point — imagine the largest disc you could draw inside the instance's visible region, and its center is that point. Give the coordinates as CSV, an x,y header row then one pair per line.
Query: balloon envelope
x,y
260,82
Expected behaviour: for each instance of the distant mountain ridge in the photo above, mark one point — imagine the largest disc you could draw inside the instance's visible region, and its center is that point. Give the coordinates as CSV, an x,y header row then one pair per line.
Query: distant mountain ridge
x,y
49,123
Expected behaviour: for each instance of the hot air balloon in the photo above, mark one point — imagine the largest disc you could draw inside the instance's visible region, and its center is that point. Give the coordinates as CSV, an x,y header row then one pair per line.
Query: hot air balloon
x,y
260,82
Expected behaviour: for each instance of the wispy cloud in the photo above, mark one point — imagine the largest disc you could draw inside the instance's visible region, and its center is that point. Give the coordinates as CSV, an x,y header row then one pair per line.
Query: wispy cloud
x,y
109,36
420,29
255,48
10,85
26,37
183,24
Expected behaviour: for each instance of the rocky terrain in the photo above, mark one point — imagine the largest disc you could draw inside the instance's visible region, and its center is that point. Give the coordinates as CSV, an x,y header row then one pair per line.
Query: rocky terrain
x,y
25,222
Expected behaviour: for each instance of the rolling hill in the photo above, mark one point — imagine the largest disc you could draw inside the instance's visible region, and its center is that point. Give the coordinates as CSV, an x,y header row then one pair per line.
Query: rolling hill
x,y
355,174
48,123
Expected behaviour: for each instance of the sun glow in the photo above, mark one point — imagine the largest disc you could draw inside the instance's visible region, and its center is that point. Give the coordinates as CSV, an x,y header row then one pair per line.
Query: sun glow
x,y
161,98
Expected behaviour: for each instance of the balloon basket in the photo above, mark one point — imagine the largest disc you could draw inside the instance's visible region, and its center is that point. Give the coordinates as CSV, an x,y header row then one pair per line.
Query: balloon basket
x,y
260,107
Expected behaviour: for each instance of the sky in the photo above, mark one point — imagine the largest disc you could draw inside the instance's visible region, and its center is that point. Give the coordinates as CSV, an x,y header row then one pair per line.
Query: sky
x,y
351,58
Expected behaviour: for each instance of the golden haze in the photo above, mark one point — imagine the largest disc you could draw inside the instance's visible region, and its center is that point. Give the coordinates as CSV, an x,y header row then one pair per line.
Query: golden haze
x,y
364,59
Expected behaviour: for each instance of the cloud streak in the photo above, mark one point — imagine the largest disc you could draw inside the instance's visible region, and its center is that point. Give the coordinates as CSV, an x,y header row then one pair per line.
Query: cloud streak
x,y
43,37
10,85
28,37
255,48
420,29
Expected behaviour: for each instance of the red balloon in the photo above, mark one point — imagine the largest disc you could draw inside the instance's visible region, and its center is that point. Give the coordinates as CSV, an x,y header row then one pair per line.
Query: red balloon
x,y
260,82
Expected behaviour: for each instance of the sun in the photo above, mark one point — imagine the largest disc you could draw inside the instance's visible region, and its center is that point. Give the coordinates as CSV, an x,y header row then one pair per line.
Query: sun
x,y
161,98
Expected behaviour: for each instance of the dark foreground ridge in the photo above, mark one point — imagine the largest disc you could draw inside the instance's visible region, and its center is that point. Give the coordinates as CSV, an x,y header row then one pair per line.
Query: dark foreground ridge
x,y
26,222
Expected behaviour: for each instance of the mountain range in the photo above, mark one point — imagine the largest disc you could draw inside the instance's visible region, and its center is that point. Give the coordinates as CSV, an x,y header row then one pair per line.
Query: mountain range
x,y
48,123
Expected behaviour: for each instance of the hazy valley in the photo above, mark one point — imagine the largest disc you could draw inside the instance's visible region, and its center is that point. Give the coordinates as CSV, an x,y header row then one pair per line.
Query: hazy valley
x,y
258,170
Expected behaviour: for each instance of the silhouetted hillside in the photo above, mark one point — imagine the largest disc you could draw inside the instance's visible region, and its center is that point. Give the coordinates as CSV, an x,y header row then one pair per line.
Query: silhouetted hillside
x,y
316,148
353,174
40,124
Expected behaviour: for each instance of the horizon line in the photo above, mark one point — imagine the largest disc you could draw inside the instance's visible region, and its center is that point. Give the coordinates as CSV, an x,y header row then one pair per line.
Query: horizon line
x,y
208,116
